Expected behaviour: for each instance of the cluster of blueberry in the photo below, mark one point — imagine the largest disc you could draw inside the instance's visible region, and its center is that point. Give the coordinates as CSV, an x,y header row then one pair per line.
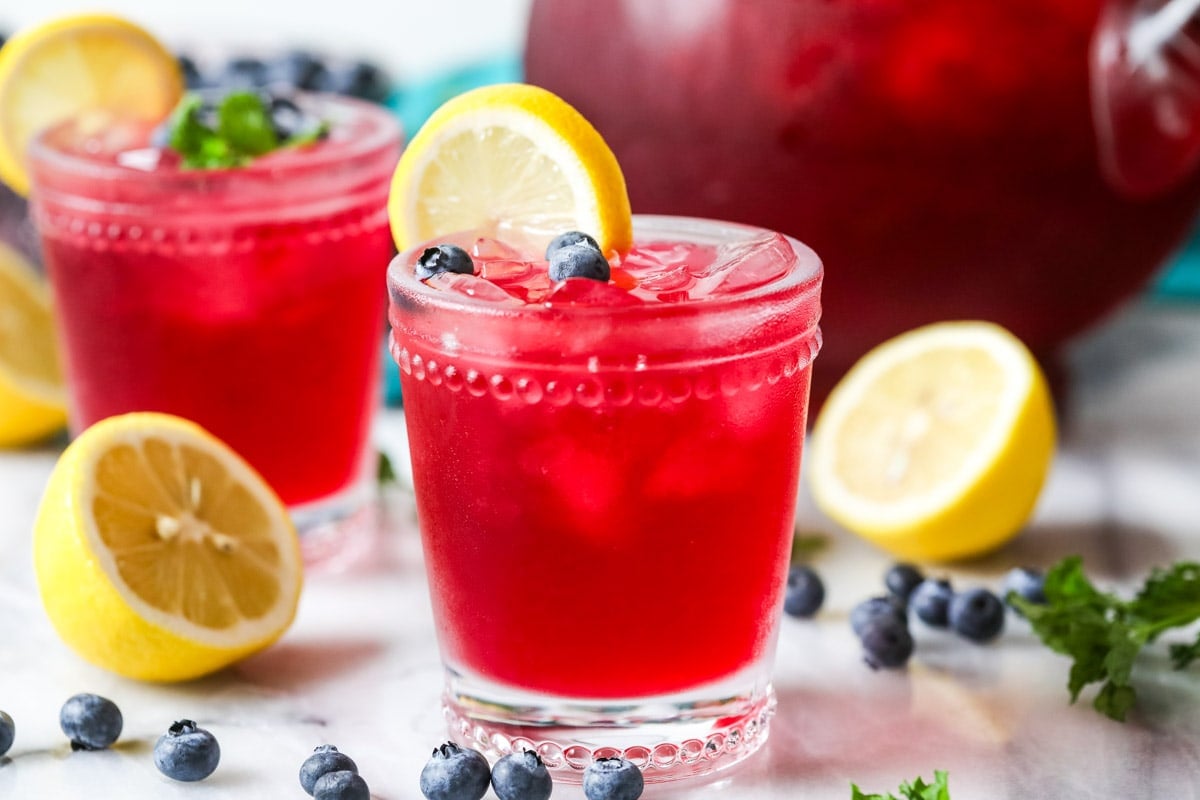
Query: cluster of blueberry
x,y
881,623
329,774
91,722
458,773
573,254
296,70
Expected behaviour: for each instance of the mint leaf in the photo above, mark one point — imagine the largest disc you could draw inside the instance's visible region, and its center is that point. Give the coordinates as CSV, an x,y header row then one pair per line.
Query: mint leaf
x,y
239,129
244,122
386,473
1182,655
1104,634
806,544
917,790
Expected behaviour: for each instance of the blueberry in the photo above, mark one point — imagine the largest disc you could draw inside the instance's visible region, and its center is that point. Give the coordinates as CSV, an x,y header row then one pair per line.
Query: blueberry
x,y
186,752
8,732
443,258
288,119
930,601
1027,583
341,785
324,758
455,773
244,72
612,779
886,642
977,614
521,776
876,607
360,79
90,721
579,261
298,69
567,239
901,579
191,73
805,592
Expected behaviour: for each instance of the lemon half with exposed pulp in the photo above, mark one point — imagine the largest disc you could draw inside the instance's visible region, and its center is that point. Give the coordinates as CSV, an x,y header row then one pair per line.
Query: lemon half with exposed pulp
x,y
160,553
85,62
935,445
32,400
512,161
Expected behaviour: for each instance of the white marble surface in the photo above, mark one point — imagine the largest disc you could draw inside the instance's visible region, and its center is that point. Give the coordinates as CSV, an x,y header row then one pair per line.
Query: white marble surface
x,y
359,668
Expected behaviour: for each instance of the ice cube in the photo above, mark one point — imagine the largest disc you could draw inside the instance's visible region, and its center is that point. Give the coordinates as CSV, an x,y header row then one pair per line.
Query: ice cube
x,y
472,286
488,248
738,266
586,291
504,270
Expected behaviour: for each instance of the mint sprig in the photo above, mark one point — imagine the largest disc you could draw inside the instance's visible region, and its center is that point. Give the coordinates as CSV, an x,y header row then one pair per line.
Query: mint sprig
x,y
1104,634
917,790
240,131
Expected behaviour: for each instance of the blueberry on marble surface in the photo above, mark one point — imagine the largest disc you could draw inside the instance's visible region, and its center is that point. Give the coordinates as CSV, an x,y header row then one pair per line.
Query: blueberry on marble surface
x,y
805,591
361,79
187,752
567,239
901,579
521,776
244,72
930,601
443,258
90,721
873,608
455,773
298,69
579,260
977,614
886,642
1027,583
324,758
8,732
341,785
612,779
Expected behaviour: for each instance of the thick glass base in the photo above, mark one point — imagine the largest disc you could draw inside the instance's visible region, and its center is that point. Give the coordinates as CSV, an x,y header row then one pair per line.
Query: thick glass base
x,y
338,530
670,737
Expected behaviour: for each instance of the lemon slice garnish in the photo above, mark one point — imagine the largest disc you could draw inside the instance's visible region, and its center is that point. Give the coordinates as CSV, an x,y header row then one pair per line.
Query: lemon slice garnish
x,y
32,403
514,162
85,62
160,553
935,445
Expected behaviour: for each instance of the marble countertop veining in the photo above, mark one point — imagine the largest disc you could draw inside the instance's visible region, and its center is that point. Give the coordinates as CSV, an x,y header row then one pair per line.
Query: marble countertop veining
x,y
359,668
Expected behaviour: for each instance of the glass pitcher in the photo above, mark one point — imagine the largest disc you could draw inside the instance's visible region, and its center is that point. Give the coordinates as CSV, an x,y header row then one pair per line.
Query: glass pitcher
x,y
1028,162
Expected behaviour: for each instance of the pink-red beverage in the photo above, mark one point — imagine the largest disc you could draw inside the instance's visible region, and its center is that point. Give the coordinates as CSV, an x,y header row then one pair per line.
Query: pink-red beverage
x,y
947,159
249,300
606,478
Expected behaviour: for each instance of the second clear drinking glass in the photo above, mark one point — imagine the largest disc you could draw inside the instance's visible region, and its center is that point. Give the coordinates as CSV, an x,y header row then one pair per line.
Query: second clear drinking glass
x,y
606,481
249,300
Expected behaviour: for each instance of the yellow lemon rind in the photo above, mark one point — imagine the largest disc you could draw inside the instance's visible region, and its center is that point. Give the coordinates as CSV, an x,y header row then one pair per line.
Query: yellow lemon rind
x,y
994,494
101,620
549,120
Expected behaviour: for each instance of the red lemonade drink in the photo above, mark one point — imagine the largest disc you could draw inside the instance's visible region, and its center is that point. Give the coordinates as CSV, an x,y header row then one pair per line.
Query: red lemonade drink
x,y
247,299
606,476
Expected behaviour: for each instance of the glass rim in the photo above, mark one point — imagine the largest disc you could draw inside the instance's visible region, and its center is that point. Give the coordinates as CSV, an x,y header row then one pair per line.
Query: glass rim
x,y
804,280
381,132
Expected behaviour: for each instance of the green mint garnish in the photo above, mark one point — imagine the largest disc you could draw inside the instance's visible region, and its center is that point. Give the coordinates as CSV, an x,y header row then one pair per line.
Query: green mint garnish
x,y
386,473
806,545
240,131
917,790
1103,634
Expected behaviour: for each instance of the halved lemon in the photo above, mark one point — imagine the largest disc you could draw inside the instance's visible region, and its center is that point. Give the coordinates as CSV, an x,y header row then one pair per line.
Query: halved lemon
x,y
73,64
935,445
32,400
514,162
160,553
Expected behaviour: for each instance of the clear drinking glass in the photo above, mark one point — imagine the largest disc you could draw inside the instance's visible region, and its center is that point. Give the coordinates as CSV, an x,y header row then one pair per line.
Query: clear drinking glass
x,y
249,299
606,486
